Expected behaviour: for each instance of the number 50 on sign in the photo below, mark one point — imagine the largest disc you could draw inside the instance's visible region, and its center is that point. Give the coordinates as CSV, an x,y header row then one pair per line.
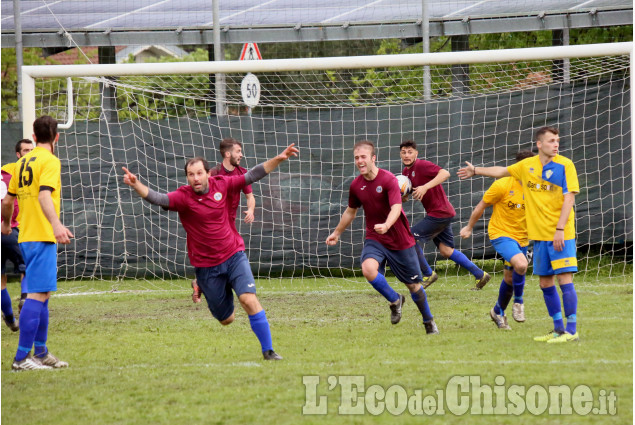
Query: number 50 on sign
x,y
250,89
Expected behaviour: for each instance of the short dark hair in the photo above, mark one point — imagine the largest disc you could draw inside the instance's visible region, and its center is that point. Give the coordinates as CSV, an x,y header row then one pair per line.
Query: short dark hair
x,y
524,154
194,161
227,144
368,143
408,144
45,129
18,146
543,130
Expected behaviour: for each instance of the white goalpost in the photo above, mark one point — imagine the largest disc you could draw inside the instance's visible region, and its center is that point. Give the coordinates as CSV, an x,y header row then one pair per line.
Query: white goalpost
x,y
485,107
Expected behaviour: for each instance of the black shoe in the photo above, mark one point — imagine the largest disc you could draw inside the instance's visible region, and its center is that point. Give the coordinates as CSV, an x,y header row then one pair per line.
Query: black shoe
x,y
11,323
271,355
480,283
395,310
431,327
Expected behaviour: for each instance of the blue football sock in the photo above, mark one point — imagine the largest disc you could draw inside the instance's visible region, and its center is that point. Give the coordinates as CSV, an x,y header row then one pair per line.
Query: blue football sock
x,y
460,259
570,302
518,280
421,300
260,326
42,331
29,322
552,300
7,310
423,264
381,285
505,293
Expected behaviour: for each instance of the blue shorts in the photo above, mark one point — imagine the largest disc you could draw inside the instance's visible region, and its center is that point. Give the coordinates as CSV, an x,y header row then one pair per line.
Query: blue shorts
x,y
548,261
218,281
404,264
436,229
508,248
11,251
41,265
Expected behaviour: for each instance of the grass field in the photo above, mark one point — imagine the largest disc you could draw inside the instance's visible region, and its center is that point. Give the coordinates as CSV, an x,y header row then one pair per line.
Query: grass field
x,y
153,357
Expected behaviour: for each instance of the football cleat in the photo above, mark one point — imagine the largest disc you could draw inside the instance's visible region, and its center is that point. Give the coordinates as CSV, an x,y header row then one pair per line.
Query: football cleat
x,y
565,337
501,321
196,292
11,323
480,283
429,280
271,355
50,360
431,327
551,335
395,310
518,312
28,363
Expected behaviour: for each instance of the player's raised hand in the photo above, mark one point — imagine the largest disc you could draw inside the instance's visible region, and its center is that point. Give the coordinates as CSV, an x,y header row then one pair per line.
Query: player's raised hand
x,y
332,239
467,171
129,178
289,152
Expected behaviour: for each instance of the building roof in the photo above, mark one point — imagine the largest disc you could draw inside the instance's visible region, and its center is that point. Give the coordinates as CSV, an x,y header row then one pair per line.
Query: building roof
x,y
109,22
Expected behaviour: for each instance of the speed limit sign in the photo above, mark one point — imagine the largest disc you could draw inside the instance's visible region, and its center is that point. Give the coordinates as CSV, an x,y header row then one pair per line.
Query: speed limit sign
x,y
250,89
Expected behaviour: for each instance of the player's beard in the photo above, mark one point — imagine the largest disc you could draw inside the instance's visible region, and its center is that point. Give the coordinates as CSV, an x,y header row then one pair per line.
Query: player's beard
x,y
233,161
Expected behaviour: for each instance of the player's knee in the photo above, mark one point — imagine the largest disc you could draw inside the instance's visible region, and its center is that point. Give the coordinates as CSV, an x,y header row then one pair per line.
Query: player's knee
x,y
250,303
369,273
520,264
228,321
446,251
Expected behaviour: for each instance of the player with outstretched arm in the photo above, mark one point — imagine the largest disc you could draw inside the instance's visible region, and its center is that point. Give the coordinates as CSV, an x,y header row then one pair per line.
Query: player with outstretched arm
x,y
232,152
388,237
550,183
426,178
508,233
215,248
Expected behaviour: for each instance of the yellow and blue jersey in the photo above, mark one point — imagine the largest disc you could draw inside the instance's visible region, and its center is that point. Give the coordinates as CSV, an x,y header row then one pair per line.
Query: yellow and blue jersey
x,y
544,189
34,171
508,218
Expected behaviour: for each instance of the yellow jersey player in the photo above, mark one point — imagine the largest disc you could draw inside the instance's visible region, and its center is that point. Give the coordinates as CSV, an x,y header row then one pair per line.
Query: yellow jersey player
x,y
550,183
37,185
508,233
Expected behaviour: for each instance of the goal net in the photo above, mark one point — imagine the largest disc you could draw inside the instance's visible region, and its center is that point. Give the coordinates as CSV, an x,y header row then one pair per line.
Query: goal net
x,y
150,118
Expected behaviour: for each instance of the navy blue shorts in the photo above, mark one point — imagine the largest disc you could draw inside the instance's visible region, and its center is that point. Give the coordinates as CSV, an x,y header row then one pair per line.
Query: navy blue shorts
x,y
217,283
404,264
436,229
11,251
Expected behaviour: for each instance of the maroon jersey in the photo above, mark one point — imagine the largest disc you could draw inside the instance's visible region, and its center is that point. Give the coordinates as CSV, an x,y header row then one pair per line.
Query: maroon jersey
x,y
211,238
435,201
377,196
219,170
6,179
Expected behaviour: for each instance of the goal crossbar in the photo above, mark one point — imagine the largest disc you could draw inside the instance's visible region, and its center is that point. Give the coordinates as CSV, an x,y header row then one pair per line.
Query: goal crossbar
x,y
29,73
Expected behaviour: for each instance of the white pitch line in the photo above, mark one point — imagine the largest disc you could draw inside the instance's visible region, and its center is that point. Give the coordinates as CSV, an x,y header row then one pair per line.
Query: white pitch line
x,y
577,6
